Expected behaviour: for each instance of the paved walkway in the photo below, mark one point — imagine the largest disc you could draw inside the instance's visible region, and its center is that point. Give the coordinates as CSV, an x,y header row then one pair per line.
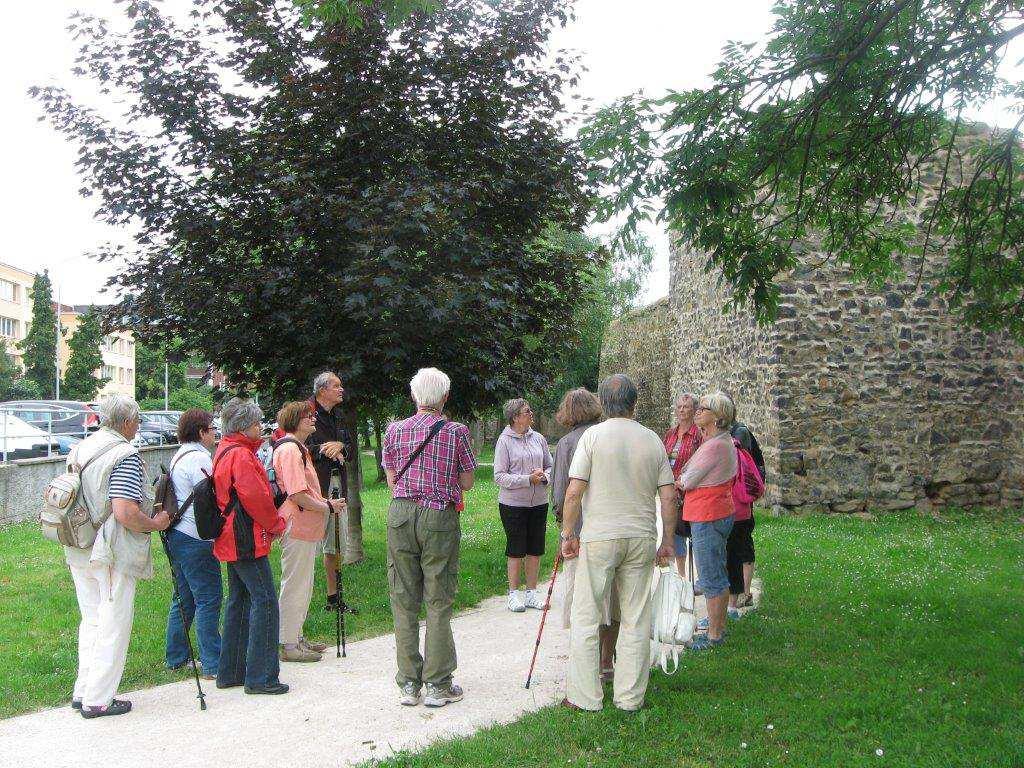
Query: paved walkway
x,y
339,712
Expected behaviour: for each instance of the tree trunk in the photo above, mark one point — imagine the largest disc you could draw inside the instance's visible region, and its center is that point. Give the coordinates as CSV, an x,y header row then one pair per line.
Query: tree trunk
x,y
378,449
354,544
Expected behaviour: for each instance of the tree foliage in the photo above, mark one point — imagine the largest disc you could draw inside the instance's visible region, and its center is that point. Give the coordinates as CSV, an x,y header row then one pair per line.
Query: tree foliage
x,y
842,132
149,371
85,358
39,347
363,201
612,288
351,13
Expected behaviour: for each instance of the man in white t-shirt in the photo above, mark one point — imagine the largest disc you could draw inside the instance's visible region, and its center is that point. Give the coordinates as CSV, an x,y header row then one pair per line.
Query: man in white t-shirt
x,y
618,469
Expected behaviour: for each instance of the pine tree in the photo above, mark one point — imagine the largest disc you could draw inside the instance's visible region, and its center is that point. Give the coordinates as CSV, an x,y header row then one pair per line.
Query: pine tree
x,y
80,379
39,347
8,372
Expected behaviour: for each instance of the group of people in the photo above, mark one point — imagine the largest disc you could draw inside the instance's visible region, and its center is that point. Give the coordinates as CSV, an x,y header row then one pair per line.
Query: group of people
x,y
261,626
604,478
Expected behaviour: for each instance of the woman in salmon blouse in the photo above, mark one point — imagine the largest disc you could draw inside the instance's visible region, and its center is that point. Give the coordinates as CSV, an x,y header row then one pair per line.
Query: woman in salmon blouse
x,y
305,511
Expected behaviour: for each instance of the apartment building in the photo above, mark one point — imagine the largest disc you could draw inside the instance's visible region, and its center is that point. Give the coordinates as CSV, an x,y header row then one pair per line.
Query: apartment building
x,y
118,350
15,307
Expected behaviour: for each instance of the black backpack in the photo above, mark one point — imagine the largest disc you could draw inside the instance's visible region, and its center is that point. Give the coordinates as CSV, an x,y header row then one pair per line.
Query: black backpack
x,y
209,518
280,494
165,495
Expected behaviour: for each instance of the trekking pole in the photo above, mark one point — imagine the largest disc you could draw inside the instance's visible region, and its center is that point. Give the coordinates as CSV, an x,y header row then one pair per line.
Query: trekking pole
x,y
544,616
339,614
184,624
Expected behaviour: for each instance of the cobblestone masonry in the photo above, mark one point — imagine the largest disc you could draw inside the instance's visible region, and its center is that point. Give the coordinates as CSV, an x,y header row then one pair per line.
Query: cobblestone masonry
x,y
638,345
862,399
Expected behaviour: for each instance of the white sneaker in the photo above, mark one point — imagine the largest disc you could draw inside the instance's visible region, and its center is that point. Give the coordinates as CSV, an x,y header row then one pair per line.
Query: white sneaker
x,y
411,695
516,600
534,599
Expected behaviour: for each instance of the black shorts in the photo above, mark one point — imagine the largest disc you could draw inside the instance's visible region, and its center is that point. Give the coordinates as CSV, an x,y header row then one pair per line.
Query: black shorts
x,y
524,529
739,549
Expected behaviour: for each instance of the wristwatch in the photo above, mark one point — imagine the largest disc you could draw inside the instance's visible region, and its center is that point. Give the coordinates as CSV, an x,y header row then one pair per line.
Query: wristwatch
x,y
566,537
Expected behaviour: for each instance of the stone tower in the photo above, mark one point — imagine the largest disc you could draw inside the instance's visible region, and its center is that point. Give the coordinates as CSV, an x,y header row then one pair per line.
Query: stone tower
x,y
861,399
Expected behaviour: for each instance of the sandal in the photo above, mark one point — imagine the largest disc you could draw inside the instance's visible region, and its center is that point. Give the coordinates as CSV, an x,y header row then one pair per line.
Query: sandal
x,y
705,643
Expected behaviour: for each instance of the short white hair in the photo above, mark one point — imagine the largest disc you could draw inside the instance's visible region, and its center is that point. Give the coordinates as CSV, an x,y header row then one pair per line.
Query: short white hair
x,y
722,406
238,414
117,409
323,381
429,387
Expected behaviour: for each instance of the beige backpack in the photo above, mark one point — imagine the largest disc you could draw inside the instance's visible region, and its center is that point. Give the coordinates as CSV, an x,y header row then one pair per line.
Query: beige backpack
x,y
65,516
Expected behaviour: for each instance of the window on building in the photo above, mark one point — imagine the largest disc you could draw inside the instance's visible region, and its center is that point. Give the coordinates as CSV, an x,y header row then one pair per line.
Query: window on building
x,y
8,327
120,375
8,291
109,372
130,376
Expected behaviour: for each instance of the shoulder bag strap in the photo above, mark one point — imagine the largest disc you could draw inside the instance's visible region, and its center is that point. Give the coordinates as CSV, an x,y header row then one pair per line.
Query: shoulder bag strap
x,y
191,497
85,500
302,449
438,425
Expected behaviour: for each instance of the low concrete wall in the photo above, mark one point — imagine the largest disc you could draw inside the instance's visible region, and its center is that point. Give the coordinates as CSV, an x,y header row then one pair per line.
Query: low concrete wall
x,y
22,482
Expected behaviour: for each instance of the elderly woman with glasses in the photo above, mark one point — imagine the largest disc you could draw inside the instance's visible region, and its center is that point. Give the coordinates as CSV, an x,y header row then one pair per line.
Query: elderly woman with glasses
x,y
251,619
196,570
305,511
681,442
522,466
706,481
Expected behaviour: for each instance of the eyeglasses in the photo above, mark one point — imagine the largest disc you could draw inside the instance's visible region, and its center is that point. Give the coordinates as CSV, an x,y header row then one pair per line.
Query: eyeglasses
x,y
701,408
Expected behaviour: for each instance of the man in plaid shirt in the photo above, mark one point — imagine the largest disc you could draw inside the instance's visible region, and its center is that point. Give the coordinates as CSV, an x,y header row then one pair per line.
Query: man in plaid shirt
x,y
423,537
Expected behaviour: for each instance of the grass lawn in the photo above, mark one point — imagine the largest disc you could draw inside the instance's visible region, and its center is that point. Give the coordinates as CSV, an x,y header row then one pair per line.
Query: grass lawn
x,y
897,642
39,614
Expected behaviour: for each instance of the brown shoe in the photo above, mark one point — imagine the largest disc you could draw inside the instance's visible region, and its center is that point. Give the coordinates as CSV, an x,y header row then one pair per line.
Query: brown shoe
x,y
569,705
313,645
299,654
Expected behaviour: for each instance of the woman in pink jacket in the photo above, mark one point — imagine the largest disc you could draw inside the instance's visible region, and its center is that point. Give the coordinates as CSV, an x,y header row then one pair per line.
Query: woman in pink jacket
x,y
522,470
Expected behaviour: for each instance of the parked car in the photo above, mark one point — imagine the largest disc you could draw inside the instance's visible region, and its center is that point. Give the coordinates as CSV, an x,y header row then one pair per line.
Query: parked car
x,y
66,443
21,440
65,417
158,425
144,438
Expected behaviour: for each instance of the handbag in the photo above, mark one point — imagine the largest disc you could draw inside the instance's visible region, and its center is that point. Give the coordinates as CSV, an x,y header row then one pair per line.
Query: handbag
x,y
672,617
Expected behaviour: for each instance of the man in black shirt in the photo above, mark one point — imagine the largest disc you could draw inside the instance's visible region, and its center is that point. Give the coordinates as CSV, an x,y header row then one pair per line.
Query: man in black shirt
x,y
330,444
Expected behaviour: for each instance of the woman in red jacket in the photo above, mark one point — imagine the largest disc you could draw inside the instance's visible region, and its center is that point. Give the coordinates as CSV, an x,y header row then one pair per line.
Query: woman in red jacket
x,y
251,619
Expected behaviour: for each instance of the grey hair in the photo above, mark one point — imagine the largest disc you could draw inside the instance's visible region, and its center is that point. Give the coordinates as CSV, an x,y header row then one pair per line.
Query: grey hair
x,y
323,380
238,414
687,396
512,409
116,409
722,406
429,387
618,395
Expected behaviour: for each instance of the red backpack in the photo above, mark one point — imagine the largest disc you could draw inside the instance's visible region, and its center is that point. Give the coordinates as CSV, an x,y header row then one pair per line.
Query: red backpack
x,y
748,486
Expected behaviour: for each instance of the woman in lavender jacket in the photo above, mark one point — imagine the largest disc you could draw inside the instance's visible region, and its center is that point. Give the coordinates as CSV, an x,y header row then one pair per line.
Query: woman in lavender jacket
x,y
522,464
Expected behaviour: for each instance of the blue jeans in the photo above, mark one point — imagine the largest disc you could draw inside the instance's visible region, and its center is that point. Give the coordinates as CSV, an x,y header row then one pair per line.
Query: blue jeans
x,y
251,626
197,573
708,541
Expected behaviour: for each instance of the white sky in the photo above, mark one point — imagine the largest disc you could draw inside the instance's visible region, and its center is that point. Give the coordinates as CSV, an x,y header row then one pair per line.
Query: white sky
x,y
649,44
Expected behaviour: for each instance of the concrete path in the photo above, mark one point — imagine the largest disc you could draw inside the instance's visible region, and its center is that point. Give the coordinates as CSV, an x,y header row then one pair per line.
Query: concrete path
x,y
339,712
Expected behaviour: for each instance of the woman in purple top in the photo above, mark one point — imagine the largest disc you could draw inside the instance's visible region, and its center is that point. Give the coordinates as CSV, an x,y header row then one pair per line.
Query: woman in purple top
x,y
522,470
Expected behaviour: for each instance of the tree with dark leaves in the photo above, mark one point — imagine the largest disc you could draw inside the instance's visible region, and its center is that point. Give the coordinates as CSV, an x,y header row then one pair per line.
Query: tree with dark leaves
x,y
364,200
842,132
39,347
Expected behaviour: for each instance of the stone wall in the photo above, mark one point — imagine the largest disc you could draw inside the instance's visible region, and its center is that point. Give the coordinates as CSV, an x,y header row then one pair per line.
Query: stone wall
x,y
862,399
638,344
22,482
716,350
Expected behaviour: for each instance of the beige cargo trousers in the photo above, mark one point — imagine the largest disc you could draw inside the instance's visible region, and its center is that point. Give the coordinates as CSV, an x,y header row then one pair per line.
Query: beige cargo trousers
x,y
423,568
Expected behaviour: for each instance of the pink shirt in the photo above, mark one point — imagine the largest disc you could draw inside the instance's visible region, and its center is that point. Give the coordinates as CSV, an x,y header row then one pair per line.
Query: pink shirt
x,y
297,476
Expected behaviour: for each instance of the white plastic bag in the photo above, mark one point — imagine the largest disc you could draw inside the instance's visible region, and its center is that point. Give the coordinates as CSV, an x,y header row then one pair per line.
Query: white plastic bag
x,y
672,618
